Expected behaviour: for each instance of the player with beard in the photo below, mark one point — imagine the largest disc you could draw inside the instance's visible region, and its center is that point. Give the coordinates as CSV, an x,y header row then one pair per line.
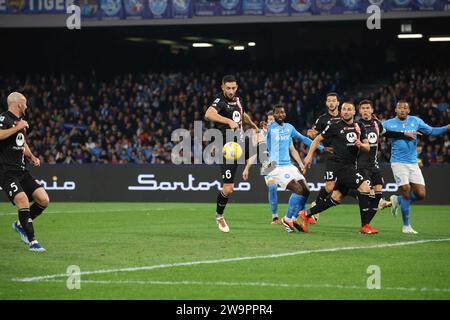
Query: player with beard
x,y
228,112
332,115
19,185
348,139
272,185
404,164
367,162
284,174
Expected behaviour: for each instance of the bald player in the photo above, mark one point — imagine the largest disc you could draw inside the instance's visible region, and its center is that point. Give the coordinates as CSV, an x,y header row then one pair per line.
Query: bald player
x,y
20,186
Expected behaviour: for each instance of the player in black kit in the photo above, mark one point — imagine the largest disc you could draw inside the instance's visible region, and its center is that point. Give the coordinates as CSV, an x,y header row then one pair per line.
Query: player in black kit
x,y
19,185
348,139
321,123
368,162
228,112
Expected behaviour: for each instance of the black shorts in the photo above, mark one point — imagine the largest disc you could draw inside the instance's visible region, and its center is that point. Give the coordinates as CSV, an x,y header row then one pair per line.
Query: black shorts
x,y
228,171
347,177
330,174
373,174
14,182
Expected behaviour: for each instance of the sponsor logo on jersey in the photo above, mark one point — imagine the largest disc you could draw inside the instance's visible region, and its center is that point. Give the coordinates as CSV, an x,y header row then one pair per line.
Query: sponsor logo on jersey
x,y
351,137
372,137
236,116
20,139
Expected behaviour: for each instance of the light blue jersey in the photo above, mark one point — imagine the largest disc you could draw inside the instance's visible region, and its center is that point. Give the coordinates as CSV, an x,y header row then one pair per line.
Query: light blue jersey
x,y
279,139
405,150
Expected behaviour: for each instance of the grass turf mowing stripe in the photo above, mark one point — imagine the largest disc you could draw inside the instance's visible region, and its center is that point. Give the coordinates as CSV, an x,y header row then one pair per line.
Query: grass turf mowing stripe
x,y
271,256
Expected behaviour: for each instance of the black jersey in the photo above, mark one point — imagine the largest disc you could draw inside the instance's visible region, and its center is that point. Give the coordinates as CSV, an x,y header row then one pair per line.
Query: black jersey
x,y
374,129
233,110
323,120
341,137
12,148
320,125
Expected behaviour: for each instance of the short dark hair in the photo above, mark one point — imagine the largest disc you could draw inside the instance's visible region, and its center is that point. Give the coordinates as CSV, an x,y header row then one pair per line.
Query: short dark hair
x,y
333,94
228,78
278,106
347,102
365,101
402,101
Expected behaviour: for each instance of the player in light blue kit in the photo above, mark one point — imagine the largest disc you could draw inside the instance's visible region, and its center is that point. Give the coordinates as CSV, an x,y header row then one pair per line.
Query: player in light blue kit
x,y
286,175
272,184
404,164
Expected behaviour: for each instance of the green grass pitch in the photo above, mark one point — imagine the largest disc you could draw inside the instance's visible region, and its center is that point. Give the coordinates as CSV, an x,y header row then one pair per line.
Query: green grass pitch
x,y
175,251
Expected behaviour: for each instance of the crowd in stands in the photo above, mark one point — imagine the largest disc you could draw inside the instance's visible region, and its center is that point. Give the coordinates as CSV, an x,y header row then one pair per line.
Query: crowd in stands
x,y
130,117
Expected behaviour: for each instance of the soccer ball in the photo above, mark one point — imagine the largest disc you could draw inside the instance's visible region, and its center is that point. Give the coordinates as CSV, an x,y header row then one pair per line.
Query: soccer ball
x,y
232,151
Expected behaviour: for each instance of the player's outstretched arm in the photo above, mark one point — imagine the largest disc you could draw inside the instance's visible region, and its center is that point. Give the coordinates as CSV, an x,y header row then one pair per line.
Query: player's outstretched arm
x,y
312,133
294,153
250,162
249,122
297,135
433,131
212,115
35,160
315,144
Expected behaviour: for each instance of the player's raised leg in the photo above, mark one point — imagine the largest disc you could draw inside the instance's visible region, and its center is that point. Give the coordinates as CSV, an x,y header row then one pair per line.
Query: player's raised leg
x,y
41,202
25,222
297,201
222,200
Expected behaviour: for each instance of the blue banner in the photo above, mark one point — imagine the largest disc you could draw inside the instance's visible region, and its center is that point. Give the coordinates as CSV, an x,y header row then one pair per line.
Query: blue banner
x,y
181,9
353,6
277,7
301,7
184,9
428,5
401,5
326,7
205,7
382,4
111,9
158,9
253,7
90,9
230,7
134,9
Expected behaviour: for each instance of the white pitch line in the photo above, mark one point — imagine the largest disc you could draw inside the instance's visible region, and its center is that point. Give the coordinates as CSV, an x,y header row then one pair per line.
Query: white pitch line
x,y
192,263
246,284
